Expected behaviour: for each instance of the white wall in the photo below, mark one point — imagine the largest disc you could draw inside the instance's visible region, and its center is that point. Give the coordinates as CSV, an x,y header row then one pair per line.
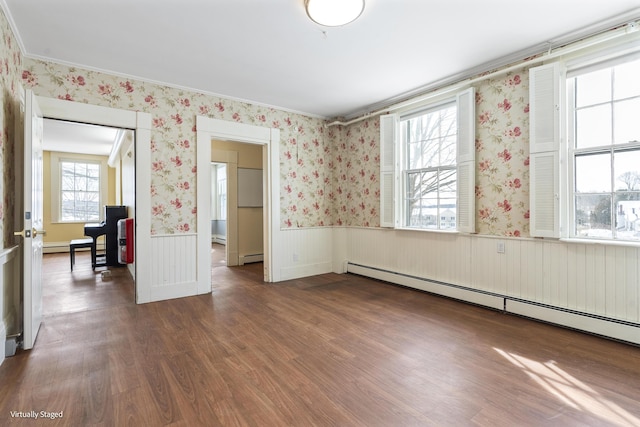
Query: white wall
x,y
128,180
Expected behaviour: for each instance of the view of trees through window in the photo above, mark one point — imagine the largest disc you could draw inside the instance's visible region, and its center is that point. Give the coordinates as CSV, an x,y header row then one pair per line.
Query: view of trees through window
x,y
430,173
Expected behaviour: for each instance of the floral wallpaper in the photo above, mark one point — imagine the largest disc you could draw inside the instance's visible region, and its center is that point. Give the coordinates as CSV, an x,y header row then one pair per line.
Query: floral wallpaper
x,y
502,162
329,175
10,69
502,155
305,174
356,174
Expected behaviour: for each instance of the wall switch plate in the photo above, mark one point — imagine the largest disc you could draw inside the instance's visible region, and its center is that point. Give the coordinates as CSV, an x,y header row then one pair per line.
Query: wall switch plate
x,y
500,247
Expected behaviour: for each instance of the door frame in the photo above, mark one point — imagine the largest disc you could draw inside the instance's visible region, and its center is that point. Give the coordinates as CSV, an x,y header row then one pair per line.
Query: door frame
x,y
269,138
140,122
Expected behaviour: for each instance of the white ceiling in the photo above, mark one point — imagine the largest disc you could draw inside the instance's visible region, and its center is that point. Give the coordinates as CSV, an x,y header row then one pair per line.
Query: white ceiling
x,y
269,52
69,137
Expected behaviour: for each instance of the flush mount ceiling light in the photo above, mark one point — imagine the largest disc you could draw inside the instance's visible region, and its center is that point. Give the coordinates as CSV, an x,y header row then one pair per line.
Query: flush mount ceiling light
x,y
333,13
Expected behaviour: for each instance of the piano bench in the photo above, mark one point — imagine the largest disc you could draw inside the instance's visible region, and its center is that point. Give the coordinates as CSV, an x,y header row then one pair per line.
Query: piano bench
x,y
77,244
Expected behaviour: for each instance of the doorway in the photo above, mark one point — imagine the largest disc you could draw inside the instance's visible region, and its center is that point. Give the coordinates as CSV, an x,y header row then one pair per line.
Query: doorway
x,y
86,167
218,214
237,214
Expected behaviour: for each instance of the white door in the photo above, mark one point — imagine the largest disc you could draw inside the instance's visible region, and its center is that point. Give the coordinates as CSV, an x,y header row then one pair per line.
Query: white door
x,y
32,233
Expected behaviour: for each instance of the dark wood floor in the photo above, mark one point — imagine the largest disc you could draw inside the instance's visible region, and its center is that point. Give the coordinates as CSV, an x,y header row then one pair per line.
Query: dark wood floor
x,y
331,350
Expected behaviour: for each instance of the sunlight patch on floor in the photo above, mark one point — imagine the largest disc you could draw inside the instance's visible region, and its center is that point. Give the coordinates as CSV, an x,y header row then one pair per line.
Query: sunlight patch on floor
x,y
570,390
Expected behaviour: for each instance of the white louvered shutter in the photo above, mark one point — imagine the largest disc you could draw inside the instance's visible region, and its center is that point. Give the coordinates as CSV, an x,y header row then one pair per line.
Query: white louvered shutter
x,y
466,156
388,130
544,146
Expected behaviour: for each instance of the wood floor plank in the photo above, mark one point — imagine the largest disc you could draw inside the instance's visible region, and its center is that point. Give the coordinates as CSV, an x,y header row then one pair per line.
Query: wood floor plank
x,y
329,350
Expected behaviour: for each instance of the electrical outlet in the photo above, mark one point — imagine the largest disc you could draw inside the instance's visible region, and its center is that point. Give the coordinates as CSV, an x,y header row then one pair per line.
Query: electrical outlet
x,y
295,257
500,247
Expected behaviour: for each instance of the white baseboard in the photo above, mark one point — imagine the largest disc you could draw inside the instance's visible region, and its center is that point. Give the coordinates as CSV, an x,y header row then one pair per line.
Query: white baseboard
x,y
58,247
298,271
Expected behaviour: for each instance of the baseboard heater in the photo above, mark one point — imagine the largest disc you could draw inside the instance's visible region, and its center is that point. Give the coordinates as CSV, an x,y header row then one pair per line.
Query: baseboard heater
x,y
246,259
586,322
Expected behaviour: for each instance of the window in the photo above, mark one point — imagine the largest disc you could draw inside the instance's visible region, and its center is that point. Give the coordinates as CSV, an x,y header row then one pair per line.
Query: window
x,y
80,196
428,162
588,188
79,187
219,192
429,167
604,151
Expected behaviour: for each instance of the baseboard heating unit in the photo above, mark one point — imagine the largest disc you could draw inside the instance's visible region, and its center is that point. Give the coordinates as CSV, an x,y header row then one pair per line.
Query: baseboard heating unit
x,y
586,322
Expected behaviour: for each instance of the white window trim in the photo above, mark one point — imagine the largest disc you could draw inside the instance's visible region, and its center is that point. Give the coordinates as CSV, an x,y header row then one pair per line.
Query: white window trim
x,y
392,173
56,177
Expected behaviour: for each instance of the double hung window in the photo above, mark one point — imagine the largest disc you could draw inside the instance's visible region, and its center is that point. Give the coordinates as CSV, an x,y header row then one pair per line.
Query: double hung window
x,y
429,174
78,187
604,151
428,166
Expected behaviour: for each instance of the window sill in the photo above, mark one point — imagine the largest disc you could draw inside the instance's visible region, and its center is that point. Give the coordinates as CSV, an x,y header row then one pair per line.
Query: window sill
x,y
604,242
427,230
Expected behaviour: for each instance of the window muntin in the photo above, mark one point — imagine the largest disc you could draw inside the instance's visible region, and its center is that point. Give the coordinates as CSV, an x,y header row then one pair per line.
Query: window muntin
x,y
429,175
79,191
605,152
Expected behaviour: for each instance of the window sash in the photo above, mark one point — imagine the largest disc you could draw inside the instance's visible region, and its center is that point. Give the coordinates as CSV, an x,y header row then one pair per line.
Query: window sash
x,y
439,143
81,197
601,211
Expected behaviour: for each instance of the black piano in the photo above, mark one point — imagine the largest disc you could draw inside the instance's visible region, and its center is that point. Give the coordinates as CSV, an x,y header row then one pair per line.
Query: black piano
x,y
109,229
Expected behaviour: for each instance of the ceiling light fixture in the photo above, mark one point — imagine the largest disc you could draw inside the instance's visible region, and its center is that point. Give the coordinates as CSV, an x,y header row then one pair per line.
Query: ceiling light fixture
x,y
333,13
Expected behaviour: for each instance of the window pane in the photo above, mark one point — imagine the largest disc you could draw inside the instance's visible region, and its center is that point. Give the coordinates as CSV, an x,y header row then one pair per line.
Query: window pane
x,y
414,182
627,170
413,155
93,184
448,125
593,173
625,80
448,151
93,170
628,216
593,126
593,216
429,185
448,214
627,121
448,184
593,88
68,173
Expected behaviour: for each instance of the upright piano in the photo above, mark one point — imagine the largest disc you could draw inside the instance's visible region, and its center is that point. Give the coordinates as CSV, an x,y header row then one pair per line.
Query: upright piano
x,y
109,229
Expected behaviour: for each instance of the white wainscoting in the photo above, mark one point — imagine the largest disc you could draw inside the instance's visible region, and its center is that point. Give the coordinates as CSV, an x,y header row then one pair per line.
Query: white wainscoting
x,y
304,252
583,280
9,294
173,272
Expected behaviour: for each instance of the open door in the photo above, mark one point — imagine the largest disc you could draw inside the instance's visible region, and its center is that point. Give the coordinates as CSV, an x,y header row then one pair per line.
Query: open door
x,y
32,232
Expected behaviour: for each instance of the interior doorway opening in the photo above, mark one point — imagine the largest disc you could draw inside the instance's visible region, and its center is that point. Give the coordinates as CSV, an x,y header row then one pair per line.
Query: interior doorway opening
x,y
237,202
87,168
